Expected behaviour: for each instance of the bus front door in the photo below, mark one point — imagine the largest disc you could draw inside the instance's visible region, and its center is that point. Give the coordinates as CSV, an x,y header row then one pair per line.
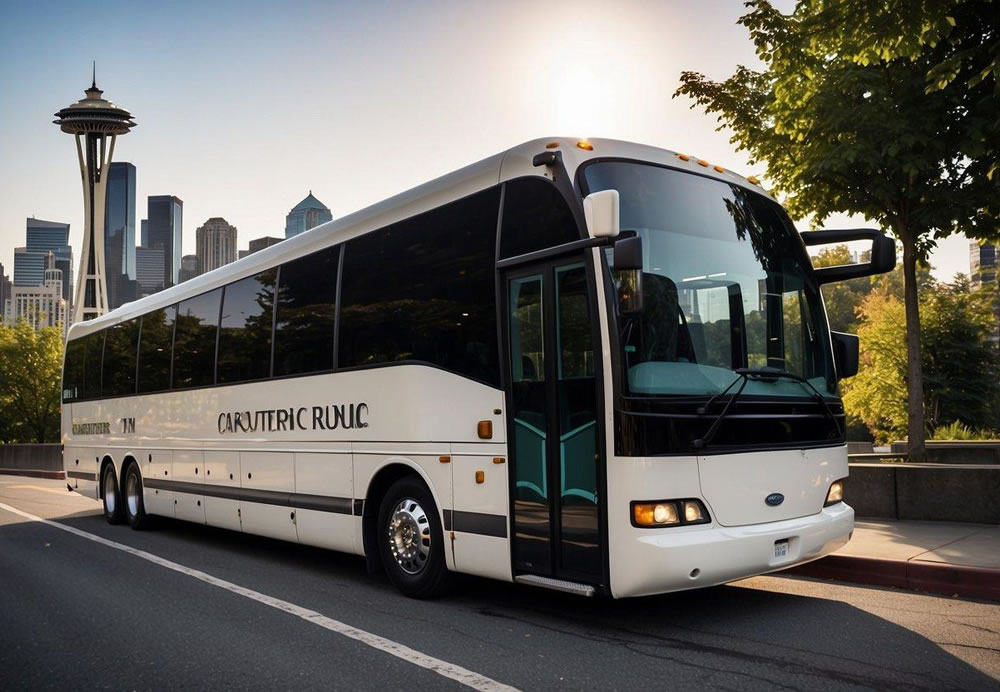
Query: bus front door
x,y
554,436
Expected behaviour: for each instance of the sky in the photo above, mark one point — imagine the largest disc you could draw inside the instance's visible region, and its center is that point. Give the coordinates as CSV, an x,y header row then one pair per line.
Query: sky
x,y
244,107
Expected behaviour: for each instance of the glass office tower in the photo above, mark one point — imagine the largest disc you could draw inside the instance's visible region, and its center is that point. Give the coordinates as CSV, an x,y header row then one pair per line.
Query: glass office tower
x,y
119,235
165,214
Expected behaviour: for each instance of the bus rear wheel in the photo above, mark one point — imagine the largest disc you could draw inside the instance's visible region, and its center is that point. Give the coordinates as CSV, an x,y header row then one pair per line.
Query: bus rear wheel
x,y
135,510
410,540
110,495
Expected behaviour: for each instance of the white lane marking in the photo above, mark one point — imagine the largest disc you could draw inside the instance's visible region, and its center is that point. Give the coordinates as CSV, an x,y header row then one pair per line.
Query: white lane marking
x,y
443,668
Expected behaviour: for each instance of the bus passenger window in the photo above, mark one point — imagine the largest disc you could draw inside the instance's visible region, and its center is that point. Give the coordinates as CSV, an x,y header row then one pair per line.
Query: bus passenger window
x,y
422,290
155,339
245,329
118,369
306,313
194,340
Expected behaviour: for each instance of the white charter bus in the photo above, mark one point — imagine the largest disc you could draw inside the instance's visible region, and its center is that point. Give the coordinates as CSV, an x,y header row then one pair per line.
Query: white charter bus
x,y
592,366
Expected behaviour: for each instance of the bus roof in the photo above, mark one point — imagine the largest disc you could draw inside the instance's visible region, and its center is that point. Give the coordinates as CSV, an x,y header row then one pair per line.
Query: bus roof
x,y
507,165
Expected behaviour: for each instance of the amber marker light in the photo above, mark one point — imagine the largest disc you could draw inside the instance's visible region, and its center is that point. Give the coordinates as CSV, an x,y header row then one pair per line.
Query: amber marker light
x,y
719,169
753,180
485,430
552,145
684,157
480,476
703,163
585,145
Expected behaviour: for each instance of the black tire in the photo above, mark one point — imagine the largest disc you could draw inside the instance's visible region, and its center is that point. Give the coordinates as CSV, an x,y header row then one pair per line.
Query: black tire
x,y
135,509
414,560
110,495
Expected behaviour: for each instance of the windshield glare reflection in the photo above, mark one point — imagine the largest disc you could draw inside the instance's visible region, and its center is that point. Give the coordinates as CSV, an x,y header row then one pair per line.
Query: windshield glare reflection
x,y
725,284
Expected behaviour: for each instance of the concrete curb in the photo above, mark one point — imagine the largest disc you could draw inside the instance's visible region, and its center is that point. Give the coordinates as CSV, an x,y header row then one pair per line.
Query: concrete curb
x,y
58,475
949,580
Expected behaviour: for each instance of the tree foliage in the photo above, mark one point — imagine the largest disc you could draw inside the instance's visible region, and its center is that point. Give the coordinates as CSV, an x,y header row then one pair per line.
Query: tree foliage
x,y
958,362
30,373
845,122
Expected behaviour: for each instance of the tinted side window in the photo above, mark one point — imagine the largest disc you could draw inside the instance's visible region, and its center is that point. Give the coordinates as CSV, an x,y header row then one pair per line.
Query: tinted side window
x,y
194,340
154,350
245,334
307,303
118,370
91,382
423,290
73,369
535,217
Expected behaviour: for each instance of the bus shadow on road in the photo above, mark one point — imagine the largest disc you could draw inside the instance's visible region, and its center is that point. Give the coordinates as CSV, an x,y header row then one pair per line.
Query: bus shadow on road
x,y
771,629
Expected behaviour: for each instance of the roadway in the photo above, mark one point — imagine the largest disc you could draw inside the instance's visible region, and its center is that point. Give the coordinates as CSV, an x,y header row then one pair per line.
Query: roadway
x,y
183,605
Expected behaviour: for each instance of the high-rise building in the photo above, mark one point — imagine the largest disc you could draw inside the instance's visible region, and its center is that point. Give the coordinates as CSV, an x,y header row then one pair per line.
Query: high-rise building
x,y
165,214
40,306
144,233
119,234
5,287
982,263
189,267
216,244
30,261
306,214
95,123
983,272
258,244
149,270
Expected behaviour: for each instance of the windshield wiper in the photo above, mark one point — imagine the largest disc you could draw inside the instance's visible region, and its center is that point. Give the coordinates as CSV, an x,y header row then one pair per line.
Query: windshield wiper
x,y
744,375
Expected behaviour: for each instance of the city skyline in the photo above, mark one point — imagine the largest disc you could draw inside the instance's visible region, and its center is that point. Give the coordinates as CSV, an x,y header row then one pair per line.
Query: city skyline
x,y
417,114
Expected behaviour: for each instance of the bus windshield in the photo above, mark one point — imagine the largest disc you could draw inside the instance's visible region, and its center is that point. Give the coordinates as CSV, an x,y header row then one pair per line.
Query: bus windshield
x,y
726,284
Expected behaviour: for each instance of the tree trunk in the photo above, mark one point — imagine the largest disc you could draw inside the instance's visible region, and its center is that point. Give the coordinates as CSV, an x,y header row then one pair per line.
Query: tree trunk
x,y
914,371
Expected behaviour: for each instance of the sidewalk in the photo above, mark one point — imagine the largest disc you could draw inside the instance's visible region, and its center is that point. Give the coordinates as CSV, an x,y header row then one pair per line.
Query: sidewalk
x,y
942,557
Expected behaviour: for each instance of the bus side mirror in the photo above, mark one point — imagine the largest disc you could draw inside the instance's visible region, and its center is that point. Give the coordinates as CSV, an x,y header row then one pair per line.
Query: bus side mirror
x,y
628,274
883,253
845,354
601,211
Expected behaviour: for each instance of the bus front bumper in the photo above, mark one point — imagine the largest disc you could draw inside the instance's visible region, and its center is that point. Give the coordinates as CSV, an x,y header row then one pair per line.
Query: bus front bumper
x,y
663,560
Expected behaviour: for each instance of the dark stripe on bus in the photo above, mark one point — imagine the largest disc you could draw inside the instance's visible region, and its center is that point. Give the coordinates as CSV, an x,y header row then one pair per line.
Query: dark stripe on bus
x,y
321,503
476,522
82,475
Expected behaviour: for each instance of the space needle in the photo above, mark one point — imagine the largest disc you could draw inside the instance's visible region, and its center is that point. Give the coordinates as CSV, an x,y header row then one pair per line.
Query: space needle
x,y
96,122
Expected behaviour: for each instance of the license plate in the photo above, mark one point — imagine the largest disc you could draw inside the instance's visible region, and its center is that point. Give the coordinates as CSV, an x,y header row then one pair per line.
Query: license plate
x,y
781,548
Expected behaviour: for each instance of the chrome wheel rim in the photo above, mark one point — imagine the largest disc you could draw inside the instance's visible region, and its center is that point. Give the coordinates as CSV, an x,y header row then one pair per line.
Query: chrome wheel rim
x,y
132,494
409,535
109,491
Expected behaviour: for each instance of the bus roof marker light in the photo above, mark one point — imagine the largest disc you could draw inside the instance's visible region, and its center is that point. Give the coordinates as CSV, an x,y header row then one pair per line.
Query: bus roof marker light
x,y
552,145
584,144
719,169
684,157
703,163
754,180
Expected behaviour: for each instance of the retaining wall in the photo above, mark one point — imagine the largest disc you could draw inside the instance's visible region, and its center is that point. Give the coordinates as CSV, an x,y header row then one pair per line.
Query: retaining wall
x,y
37,457
929,492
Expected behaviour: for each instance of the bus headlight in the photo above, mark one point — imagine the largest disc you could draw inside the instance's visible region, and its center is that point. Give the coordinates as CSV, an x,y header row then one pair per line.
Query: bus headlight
x,y
835,494
664,513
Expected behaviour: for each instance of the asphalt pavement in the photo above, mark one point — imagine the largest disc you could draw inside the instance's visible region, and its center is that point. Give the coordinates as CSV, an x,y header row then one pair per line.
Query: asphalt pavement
x,y
184,605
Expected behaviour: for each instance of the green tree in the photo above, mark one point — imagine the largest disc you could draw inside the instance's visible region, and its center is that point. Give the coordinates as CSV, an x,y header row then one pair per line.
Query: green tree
x,y
842,133
877,394
958,361
30,373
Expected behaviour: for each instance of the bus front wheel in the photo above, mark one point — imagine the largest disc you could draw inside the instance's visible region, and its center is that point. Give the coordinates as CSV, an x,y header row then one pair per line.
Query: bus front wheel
x,y
410,540
135,510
